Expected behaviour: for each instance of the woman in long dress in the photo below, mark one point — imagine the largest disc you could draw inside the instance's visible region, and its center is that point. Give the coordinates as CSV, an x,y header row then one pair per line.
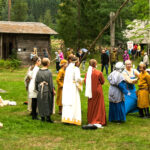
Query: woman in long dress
x,y
96,107
31,90
131,77
116,98
71,112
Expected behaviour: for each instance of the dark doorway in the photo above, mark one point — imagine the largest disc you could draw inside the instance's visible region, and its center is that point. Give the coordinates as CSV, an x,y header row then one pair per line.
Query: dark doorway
x,y
9,42
10,48
4,51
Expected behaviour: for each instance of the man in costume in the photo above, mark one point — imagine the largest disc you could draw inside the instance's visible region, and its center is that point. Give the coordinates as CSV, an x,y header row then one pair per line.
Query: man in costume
x,y
71,112
60,81
96,108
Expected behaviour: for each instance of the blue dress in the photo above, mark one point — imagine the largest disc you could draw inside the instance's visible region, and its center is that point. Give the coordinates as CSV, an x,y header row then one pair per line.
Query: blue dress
x,y
117,110
131,100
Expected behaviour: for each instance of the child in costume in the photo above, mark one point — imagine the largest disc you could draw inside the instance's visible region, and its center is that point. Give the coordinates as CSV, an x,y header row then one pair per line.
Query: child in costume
x,y
60,81
143,92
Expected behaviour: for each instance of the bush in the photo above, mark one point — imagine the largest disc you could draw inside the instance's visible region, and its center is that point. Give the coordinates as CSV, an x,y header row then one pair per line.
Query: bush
x,y
10,64
14,54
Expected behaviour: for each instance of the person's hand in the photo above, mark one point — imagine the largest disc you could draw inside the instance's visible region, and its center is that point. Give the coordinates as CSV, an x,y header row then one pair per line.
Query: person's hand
x,y
129,94
54,92
135,81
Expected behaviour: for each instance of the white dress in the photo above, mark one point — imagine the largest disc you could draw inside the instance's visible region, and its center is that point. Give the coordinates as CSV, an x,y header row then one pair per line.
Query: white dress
x,y
31,89
71,112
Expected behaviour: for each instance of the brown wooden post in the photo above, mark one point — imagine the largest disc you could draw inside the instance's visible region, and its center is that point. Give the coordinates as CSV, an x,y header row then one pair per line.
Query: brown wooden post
x,y
1,46
9,8
112,30
49,46
78,30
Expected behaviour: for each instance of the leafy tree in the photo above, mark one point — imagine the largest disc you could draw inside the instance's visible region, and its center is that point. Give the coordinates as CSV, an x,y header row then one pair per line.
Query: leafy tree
x,y
67,22
19,11
39,7
141,9
30,18
47,19
4,10
94,14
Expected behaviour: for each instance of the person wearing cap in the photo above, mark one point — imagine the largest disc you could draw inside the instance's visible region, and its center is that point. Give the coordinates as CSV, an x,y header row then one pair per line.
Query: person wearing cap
x,y
131,78
146,59
60,80
71,111
116,98
144,91
96,106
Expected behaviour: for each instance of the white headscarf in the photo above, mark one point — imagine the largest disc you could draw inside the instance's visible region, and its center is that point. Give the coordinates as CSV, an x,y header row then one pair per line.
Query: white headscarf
x,y
88,89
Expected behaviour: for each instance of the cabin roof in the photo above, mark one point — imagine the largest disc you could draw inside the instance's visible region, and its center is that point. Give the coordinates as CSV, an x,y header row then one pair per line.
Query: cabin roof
x,y
25,28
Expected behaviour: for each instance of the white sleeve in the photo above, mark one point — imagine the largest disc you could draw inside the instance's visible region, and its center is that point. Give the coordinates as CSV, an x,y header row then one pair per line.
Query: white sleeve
x,y
77,75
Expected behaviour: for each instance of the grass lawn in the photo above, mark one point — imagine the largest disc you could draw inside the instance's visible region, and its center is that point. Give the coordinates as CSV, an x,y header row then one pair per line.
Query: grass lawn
x,y
20,132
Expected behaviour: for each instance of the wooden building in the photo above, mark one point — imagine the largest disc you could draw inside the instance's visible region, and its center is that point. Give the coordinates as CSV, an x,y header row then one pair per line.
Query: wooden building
x,y
24,37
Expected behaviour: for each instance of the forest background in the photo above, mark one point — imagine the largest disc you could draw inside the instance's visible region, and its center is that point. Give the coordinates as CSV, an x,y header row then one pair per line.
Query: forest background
x,y
78,22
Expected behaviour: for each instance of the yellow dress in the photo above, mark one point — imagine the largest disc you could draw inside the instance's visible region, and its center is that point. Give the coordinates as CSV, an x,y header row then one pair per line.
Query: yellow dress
x,y
144,90
60,81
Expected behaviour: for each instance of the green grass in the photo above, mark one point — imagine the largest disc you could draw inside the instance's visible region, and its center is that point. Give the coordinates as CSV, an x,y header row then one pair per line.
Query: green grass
x,y
20,132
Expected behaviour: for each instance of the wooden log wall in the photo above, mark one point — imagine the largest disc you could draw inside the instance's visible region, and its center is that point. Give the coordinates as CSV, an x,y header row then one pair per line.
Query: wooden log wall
x,y
26,44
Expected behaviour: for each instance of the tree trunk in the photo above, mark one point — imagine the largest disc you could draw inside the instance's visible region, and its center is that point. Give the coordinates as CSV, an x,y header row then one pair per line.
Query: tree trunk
x,y
104,29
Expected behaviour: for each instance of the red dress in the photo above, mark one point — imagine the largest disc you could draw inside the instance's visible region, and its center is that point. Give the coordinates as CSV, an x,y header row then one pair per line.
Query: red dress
x,y
96,106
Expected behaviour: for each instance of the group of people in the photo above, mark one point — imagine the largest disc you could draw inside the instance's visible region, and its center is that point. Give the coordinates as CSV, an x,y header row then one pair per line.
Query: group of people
x,y
40,89
123,97
136,51
107,58
111,58
60,56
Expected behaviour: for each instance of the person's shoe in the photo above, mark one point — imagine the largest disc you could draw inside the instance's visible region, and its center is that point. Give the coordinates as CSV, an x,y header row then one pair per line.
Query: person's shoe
x,y
141,116
60,113
89,127
35,118
42,119
48,119
30,113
